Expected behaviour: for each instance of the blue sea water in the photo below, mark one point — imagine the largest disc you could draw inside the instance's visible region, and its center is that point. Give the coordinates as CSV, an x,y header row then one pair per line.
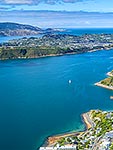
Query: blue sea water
x,y
7,38
37,101
81,31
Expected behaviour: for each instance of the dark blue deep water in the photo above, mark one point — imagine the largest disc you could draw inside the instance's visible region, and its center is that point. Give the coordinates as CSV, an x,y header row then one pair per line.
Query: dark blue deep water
x,y
37,101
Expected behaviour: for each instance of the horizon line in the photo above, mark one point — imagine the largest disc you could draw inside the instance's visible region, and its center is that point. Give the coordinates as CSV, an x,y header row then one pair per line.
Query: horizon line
x,y
68,11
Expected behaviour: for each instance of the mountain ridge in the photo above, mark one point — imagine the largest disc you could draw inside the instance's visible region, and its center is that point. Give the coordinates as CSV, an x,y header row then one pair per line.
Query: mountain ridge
x,y
17,29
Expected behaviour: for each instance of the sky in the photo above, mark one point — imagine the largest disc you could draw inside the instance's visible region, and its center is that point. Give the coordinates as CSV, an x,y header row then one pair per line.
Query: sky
x,y
58,13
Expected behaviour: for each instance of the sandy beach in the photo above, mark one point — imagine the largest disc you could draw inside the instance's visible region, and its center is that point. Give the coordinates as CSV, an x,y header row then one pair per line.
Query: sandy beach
x,y
87,120
53,139
110,74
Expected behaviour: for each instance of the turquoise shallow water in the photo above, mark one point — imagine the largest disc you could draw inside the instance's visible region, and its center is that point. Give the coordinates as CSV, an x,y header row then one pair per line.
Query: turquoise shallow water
x,y
37,101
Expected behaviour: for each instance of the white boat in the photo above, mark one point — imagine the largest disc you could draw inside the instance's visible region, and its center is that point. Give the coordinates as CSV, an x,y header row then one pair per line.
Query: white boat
x,y
70,81
111,97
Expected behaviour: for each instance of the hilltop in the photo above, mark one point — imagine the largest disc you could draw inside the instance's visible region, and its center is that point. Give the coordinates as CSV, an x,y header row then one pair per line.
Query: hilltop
x,y
16,29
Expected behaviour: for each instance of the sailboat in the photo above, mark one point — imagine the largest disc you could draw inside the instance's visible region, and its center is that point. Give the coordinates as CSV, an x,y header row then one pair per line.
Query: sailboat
x,y
111,97
70,81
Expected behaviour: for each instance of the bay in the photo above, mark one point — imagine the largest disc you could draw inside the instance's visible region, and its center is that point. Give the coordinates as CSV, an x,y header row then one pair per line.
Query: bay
x,y
36,99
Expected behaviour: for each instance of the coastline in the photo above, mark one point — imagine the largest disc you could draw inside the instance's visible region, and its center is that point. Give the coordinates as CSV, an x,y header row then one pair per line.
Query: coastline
x,y
94,136
50,141
44,56
110,74
104,86
54,55
87,121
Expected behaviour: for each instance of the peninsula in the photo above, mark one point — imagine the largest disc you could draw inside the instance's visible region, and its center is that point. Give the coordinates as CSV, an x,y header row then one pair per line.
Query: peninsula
x,y
54,44
16,29
108,82
97,136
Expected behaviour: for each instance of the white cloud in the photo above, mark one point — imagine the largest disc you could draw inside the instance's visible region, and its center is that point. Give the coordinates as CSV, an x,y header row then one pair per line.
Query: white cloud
x,y
71,1
50,19
87,22
18,1
35,2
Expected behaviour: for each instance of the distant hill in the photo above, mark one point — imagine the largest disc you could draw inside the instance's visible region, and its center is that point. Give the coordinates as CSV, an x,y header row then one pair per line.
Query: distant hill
x,y
16,29
54,44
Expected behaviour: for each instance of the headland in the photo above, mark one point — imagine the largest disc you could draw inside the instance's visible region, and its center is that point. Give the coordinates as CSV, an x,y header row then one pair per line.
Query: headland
x,y
107,82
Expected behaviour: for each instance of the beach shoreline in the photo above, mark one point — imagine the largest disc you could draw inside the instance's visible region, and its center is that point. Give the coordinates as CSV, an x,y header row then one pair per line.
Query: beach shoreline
x,y
50,141
55,55
103,86
109,74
